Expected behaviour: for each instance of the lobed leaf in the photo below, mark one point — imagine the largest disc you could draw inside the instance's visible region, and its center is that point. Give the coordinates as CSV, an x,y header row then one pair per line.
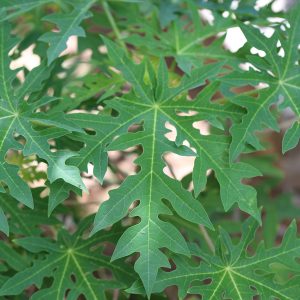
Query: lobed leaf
x,y
233,274
70,261
281,74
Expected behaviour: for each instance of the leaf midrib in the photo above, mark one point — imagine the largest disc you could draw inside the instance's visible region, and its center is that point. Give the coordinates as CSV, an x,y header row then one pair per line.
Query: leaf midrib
x,y
151,188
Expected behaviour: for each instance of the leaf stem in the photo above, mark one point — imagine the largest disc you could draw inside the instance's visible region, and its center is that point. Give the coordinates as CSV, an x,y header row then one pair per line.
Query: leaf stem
x,y
113,24
207,238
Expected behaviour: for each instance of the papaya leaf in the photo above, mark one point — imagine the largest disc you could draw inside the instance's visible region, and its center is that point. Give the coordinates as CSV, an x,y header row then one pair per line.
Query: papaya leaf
x,y
280,74
152,104
68,25
233,273
19,118
71,262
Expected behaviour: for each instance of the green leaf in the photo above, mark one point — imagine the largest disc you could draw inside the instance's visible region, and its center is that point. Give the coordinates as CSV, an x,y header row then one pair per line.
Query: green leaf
x,y
281,74
243,10
18,115
212,150
185,39
3,223
11,257
150,185
153,104
20,118
80,90
22,220
212,153
291,137
17,187
12,8
70,261
106,127
68,25
11,261
233,273
76,118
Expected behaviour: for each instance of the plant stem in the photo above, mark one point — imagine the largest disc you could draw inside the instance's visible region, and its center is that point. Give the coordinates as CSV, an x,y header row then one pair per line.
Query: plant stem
x,y
113,24
207,238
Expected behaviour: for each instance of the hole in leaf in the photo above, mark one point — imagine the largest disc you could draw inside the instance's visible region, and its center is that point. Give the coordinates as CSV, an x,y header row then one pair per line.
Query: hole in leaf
x,y
73,278
103,273
90,131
